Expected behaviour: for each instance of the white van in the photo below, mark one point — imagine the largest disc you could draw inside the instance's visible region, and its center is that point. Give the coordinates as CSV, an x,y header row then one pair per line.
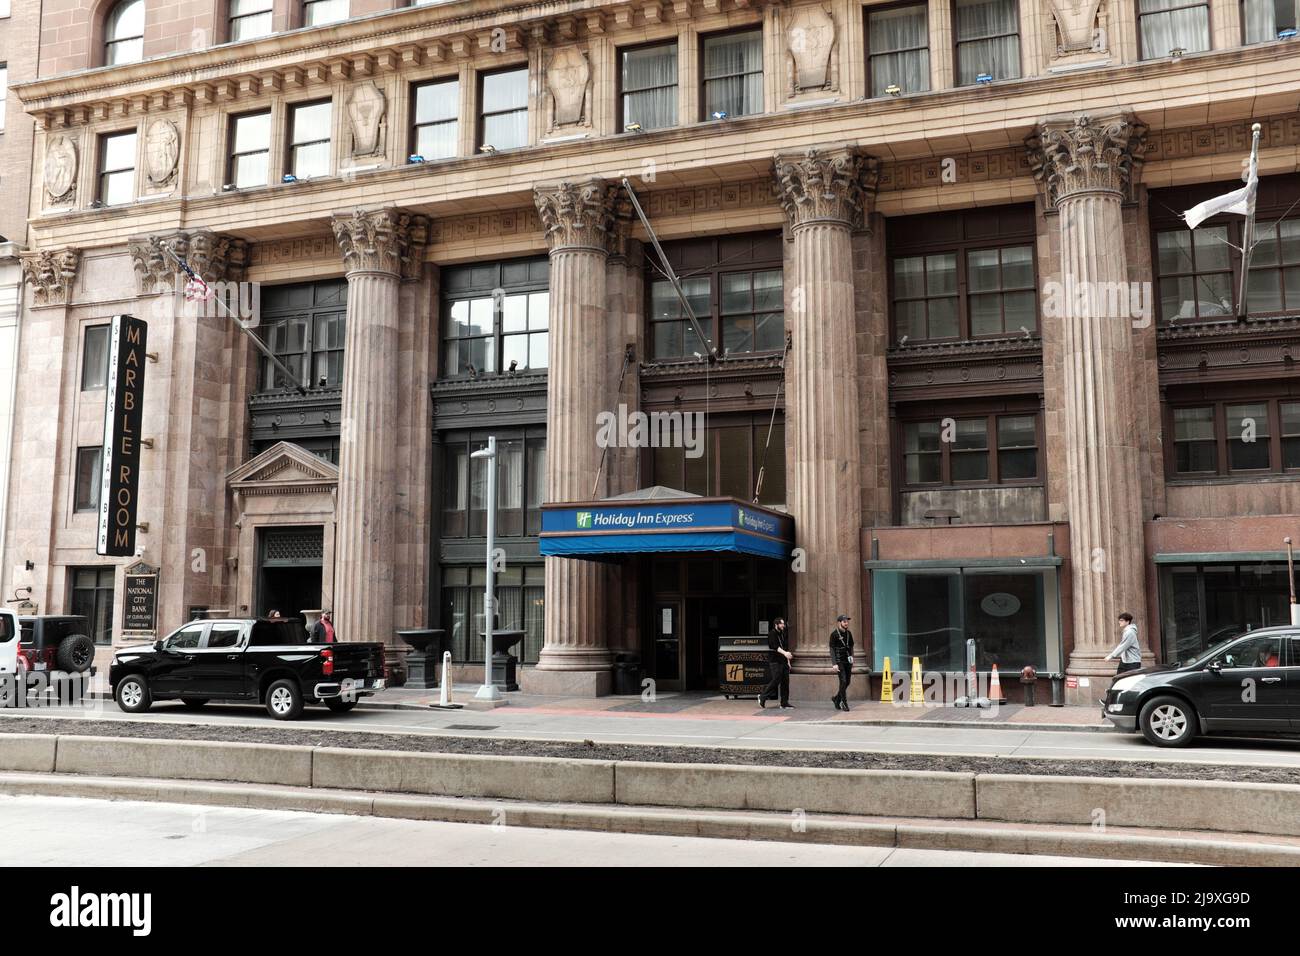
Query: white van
x,y
10,635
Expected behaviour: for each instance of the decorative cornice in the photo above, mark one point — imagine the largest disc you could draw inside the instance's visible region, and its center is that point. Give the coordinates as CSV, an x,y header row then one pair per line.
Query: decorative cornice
x,y
582,216
1222,351
387,240
213,257
916,371
498,399
50,273
1077,154
836,185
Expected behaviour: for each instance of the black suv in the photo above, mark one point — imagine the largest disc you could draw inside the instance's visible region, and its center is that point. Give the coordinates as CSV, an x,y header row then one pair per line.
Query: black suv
x,y
259,661
1246,684
57,642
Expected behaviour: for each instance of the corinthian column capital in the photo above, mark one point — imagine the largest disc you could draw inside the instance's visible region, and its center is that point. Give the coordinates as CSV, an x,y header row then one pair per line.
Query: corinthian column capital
x,y
387,240
1076,154
50,273
827,185
213,257
584,215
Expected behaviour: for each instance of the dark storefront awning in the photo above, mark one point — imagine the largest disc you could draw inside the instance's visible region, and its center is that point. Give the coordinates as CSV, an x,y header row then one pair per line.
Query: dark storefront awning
x,y
659,520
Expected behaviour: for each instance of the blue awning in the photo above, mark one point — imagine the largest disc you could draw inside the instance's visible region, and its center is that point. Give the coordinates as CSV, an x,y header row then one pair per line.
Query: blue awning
x,y
613,527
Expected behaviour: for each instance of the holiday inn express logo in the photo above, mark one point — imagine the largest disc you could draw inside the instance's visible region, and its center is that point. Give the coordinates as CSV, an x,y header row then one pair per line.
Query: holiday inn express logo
x,y
584,519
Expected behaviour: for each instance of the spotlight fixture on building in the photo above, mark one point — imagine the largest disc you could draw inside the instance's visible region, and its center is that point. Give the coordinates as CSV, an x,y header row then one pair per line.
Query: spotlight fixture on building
x,y
97,204
288,178
487,148
415,158
902,341
719,114
984,78
1176,53
632,128
1287,34
229,188
893,89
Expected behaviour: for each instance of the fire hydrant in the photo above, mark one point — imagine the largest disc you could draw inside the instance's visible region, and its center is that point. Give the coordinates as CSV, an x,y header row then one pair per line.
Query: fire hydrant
x,y
1029,677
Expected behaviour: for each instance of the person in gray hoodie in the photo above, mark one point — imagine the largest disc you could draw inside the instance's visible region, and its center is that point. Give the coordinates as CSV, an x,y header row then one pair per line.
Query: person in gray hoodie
x,y
1127,650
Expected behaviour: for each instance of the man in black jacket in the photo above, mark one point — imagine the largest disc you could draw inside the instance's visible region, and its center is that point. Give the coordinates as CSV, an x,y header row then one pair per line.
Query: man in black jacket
x,y
778,643
842,657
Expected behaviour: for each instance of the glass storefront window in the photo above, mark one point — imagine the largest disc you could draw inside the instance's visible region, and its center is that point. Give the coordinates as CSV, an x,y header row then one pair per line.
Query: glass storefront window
x,y
1202,604
519,592
930,613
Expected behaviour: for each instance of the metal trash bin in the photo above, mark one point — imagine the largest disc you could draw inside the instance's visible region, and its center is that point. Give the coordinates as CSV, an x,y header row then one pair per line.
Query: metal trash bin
x,y
1058,690
744,666
627,674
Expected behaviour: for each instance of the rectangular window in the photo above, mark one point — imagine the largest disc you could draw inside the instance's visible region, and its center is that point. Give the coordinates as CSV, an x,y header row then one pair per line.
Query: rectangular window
x,y
434,132
1196,450
1194,273
1274,283
495,318
1168,25
1001,283
898,49
734,451
925,297
92,597
309,139
1248,444
983,449
4,93
94,357
988,40
732,66
521,484
1290,419
117,168
316,13
520,595
1263,20
249,19
1202,604
503,105
304,325
649,85
1229,438
250,149
87,484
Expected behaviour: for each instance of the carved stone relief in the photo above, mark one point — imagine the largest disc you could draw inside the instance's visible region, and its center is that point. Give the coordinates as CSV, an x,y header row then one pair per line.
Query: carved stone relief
x,y
810,44
367,118
60,169
162,148
568,81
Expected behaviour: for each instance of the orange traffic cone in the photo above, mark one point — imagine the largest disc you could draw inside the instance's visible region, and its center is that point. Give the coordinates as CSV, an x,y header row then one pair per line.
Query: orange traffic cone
x,y
995,688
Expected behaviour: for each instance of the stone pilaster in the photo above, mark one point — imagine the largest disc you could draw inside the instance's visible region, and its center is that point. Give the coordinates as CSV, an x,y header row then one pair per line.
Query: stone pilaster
x,y
1088,168
582,227
826,194
380,248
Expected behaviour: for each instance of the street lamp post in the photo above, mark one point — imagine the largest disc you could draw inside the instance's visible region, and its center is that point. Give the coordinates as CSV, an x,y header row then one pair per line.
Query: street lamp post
x,y
489,454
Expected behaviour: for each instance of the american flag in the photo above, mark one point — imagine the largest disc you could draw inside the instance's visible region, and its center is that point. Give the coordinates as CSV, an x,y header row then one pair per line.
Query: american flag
x,y
196,290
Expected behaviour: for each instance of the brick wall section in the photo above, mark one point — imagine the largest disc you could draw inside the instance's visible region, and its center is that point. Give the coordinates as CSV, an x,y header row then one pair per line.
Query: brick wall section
x,y
18,41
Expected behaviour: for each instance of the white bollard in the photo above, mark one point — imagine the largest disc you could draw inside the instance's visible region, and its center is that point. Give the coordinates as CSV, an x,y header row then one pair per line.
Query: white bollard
x,y
444,692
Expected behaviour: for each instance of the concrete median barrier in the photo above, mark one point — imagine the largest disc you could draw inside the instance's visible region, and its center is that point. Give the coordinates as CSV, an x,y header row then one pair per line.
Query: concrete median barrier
x,y
1265,808
185,760
33,753
865,792
465,775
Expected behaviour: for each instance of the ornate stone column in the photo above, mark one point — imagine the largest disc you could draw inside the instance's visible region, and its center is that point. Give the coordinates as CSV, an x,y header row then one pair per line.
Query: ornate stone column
x,y
826,194
581,229
1088,168
380,248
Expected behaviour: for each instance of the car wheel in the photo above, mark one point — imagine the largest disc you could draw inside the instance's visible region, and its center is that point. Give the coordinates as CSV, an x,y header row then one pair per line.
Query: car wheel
x,y
133,694
75,654
284,700
194,703
1168,722
339,705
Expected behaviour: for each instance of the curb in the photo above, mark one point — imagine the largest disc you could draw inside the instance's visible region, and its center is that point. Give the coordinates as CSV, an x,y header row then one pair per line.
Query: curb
x,y
659,822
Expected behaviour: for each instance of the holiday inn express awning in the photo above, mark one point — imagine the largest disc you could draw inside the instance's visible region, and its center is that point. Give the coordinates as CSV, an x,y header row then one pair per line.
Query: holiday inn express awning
x,y
659,520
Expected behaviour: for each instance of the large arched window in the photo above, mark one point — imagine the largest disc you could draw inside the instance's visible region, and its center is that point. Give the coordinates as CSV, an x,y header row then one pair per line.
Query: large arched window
x,y
124,33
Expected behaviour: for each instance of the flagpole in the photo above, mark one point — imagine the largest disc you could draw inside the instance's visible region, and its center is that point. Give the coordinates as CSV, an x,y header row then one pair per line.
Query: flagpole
x,y
1248,229
257,341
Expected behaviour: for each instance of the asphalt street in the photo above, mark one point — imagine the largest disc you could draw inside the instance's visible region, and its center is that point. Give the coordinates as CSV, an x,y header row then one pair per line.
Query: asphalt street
x,y
756,731
51,831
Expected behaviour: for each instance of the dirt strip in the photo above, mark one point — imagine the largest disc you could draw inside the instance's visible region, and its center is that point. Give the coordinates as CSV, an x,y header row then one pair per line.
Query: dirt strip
x,y
840,760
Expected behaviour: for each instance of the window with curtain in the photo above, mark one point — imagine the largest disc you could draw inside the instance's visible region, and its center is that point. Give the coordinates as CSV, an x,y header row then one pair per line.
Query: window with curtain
x,y
94,357
735,448
117,168
732,67
988,39
519,591
435,128
250,19
493,314
124,33
503,104
649,85
250,149
4,93
1263,20
1168,25
316,13
898,49
309,139
1235,436
521,483
85,496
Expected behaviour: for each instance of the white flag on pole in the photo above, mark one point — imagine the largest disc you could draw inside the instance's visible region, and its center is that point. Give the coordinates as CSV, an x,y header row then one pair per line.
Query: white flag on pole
x,y
1239,202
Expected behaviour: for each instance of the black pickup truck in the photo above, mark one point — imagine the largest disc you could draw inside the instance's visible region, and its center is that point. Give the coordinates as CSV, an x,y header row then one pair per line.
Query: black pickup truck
x,y
241,659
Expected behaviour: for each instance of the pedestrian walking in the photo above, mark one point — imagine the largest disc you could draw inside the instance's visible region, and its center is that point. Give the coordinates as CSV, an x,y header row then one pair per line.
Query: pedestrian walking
x,y
778,645
322,632
1127,650
842,657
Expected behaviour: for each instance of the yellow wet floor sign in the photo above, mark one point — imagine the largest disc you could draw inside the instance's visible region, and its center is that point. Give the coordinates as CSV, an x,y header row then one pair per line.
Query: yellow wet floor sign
x,y
887,685
915,697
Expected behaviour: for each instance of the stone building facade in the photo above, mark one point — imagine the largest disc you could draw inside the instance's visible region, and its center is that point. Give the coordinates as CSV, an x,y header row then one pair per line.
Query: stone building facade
x,y
881,213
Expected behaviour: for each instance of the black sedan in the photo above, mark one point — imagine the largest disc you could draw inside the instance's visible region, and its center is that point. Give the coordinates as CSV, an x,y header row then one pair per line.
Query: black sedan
x,y
1247,684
